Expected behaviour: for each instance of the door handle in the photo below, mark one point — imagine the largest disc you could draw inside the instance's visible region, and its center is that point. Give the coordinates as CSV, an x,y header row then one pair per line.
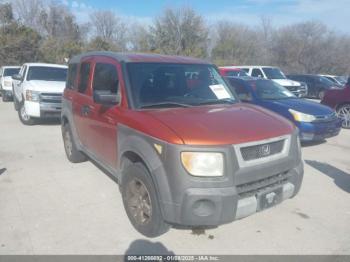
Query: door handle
x,y
85,110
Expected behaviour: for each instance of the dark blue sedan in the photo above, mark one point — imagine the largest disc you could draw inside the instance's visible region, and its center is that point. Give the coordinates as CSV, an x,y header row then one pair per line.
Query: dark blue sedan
x,y
315,121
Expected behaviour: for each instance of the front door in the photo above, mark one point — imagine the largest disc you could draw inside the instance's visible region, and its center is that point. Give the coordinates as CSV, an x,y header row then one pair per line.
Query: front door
x,y
102,120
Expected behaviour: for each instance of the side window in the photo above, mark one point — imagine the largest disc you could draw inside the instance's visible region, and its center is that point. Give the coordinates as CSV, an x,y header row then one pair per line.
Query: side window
x,y
23,72
84,77
257,73
72,75
245,70
106,78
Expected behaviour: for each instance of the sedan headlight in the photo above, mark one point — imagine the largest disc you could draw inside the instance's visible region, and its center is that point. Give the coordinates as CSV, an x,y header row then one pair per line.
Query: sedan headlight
x,y
33,96
204,164
301,117
8,83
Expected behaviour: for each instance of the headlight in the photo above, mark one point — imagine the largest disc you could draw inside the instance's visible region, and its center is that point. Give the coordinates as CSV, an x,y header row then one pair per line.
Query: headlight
x,y
8,83
301,117
205,164
33,96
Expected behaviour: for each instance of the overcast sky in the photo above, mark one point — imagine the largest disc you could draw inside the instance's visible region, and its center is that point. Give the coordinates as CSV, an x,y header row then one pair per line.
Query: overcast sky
x,y
334,13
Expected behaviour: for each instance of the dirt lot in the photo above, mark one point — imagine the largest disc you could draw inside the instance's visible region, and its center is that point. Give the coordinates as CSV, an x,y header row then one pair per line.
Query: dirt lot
x,y
50,206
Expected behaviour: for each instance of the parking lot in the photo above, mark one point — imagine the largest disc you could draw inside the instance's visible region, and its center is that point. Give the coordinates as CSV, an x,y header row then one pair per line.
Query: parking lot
x,y
50,206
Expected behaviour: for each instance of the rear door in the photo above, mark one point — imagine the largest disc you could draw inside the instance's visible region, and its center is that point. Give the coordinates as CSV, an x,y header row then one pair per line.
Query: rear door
x,y
101,121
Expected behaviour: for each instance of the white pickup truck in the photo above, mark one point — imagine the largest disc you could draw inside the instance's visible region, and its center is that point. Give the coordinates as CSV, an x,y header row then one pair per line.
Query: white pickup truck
x,y
37,91
6,73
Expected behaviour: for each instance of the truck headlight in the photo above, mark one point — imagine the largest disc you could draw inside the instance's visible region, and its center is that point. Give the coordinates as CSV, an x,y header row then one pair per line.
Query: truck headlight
x,y
8,83
301,117
33,96
204,164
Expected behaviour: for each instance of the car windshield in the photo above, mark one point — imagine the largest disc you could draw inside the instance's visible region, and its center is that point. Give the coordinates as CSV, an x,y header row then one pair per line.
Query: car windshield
x,y
237,73
47,73
11,71
341,79
273,73
269,90
177,85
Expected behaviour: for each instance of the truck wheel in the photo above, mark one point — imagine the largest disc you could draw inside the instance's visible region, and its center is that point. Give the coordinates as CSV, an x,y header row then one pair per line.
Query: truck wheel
x,y
24,117
141,202
73,154
344,114
4,98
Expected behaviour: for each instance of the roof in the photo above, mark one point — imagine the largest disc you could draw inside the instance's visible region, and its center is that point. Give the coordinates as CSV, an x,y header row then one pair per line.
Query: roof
x,y
229,68
6,67
249,66
141,58
45,65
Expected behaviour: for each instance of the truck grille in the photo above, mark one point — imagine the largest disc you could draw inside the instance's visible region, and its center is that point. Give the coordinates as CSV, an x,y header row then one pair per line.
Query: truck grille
x,y
255,187
262,150
51,98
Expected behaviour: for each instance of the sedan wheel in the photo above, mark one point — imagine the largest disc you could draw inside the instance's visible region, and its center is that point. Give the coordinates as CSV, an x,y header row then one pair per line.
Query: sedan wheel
x,y
344,115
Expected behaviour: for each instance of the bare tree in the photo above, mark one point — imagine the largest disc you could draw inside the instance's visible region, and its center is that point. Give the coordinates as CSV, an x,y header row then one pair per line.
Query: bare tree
x,y
236,44
181,32
28,12
109,27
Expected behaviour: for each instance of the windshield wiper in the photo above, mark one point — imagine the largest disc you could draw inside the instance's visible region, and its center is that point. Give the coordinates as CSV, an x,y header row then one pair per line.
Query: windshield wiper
x,y
219,101
165,104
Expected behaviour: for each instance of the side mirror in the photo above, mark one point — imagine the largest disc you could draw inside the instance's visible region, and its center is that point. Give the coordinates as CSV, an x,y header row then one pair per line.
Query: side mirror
x,y
106,98
17,77
245,98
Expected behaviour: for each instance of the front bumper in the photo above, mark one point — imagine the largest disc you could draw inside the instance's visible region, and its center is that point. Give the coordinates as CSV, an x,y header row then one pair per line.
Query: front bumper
x,y
194,201
43,110
318,131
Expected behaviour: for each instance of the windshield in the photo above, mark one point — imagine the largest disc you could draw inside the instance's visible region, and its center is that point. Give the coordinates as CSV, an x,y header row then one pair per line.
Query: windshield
x,y
47,73
269,90
11,71
273,73
236,73
341,79
176,85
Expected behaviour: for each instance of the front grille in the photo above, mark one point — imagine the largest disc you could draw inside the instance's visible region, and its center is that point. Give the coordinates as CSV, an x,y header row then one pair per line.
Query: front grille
x,y
255,187
292,88
262,150
326,118
51,98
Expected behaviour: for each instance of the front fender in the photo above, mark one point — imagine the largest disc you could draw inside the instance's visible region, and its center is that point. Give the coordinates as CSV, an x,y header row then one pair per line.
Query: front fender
x,y
130,140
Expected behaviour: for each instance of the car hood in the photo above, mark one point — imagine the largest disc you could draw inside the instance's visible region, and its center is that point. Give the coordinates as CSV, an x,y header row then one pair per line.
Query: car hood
x,y
46,86
302,105
286,82
223,125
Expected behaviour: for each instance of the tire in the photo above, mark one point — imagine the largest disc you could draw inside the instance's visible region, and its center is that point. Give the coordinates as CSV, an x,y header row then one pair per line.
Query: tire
x,y
24,117
4,98
140,201
343,112
72,152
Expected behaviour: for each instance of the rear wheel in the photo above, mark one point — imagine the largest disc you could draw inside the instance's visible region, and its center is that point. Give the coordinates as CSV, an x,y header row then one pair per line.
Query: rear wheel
x,y
141,202
72,152
24,117
344,114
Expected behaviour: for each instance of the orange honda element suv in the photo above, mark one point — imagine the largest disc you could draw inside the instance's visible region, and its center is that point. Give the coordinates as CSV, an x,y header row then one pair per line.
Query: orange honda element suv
x,y
184,150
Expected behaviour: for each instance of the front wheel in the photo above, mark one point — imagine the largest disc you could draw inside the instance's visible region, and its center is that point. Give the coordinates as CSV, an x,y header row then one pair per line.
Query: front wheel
x,y
344,114
141,202
24,117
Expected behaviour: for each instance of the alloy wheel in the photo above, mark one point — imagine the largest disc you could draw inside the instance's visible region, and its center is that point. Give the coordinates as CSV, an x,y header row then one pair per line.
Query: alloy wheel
x,y
68,145
138,201
344,115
